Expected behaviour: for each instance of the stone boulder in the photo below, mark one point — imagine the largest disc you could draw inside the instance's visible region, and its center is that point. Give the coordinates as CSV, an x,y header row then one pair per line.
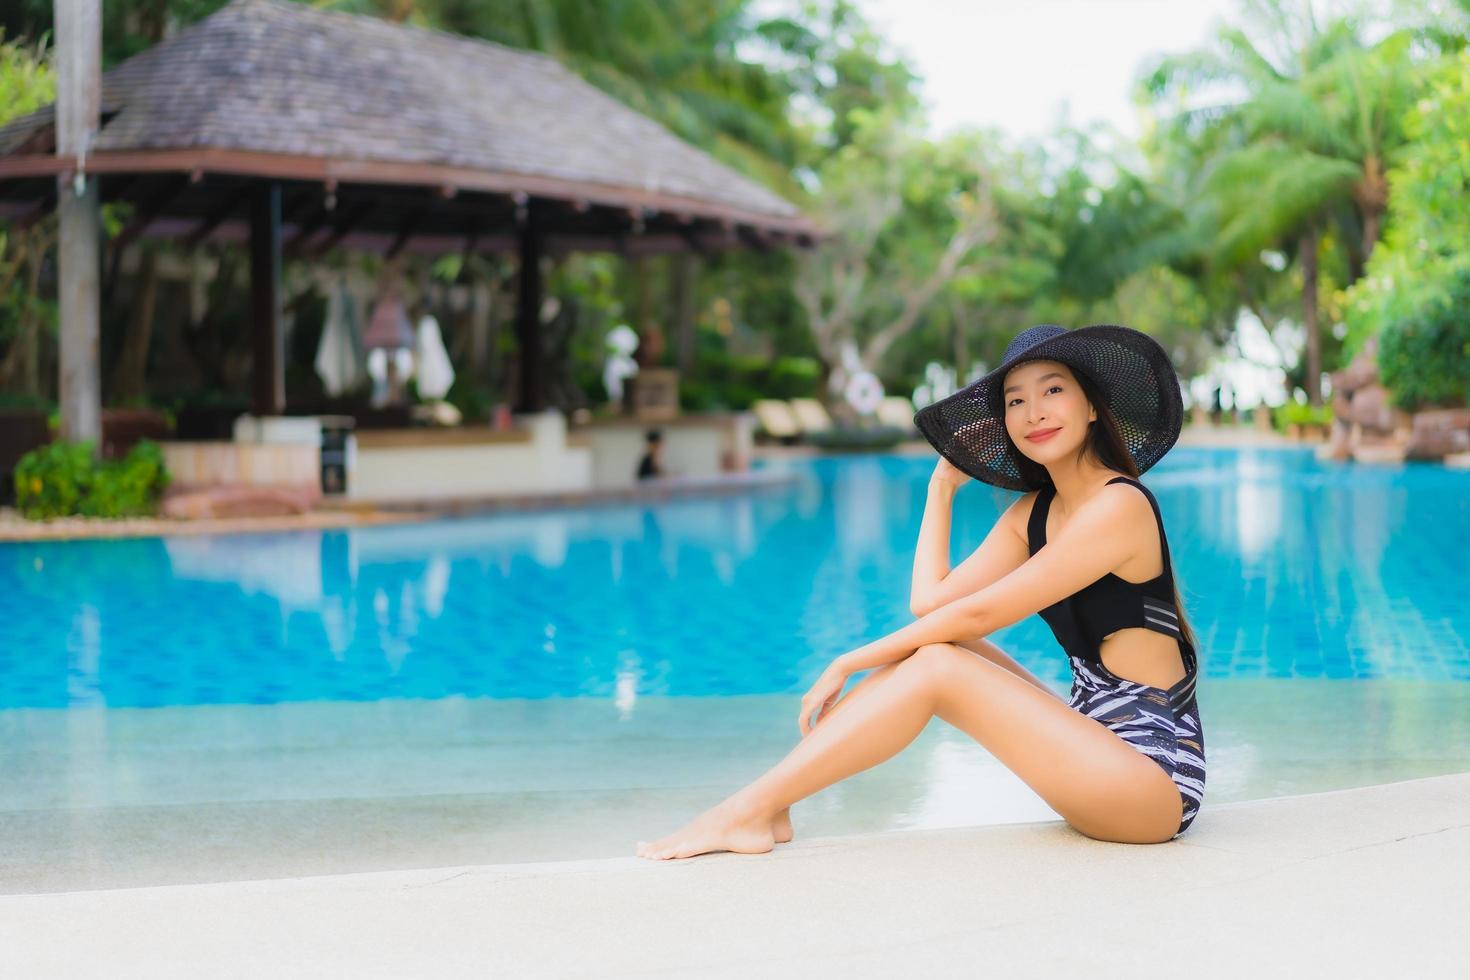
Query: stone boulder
x,y
1439,432
1362,371
1370,408
237,501
1381,451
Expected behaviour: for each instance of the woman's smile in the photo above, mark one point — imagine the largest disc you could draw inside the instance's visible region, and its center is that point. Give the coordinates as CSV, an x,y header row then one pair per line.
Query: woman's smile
x,y
1042,435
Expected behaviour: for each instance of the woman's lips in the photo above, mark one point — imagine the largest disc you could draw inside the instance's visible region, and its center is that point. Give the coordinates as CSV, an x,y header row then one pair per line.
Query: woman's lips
x,y
1044,435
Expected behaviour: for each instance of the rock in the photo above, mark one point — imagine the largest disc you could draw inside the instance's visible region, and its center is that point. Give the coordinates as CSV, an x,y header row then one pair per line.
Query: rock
x,y
1362,371
1370,408
1439,432
1339,442
1380,452
1458,461
237,501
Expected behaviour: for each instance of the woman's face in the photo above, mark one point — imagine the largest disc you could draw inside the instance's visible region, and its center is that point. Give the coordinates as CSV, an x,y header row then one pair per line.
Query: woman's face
x,y
1043,398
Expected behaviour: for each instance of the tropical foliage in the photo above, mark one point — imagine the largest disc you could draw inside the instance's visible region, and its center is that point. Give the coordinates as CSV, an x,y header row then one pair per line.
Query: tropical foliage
x,y
1274,159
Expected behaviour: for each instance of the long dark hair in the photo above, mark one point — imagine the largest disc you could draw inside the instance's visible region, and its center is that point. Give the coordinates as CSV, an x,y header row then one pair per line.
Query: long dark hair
x,y
1104,443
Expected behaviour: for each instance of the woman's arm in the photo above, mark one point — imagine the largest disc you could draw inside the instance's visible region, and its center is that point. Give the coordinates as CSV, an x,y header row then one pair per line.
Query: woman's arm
x,y
1002,552
1099,538
931,554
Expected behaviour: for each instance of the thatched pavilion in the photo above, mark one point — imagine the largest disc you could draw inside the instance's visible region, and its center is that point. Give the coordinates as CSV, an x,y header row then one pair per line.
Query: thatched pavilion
x,y
298,130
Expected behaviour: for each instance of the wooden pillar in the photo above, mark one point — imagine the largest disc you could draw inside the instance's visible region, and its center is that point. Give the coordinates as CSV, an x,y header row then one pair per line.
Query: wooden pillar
x,y
79,258
532,394
268,382
685,279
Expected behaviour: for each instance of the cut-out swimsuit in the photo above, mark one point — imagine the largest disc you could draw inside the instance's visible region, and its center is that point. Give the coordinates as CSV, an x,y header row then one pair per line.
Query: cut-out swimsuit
x,y
1162,724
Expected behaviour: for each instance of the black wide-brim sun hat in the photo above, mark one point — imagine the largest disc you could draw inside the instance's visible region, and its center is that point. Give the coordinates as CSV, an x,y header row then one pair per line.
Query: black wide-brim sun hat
x,y
1129,367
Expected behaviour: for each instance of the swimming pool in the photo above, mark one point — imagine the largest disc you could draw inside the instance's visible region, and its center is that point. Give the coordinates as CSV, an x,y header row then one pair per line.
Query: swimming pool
x,y
559,683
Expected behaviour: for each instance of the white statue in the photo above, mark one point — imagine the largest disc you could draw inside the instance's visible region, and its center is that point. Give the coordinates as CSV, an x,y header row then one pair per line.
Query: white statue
x,y
939,382
622,341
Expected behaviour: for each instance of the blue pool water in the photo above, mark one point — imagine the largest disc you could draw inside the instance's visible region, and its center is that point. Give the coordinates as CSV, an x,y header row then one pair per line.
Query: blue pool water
x,y
1289,568
555,685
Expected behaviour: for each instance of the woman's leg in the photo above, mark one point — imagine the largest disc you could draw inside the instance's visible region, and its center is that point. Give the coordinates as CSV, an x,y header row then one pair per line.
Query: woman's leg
x,y
889,714
1101,785
781,824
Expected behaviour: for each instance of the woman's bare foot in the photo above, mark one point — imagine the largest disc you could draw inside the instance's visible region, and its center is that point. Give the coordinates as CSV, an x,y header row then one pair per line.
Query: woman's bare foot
x,y
781,826
720,828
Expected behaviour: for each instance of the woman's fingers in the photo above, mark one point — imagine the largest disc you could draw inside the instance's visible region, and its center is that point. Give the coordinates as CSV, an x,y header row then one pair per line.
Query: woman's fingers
x,y
821,697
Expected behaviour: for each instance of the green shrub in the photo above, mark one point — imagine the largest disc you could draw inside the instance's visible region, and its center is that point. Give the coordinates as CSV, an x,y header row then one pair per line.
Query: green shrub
x,y
724,381
52,480
1294,413
129,487
793,377
474,399
63,478
1424,358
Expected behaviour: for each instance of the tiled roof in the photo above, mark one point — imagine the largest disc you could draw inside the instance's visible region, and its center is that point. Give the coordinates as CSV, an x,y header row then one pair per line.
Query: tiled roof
x,y
271,77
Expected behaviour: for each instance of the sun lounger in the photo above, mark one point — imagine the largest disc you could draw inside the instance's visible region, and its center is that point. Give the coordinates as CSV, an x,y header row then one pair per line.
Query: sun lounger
x,y
897,412
811,416
775,418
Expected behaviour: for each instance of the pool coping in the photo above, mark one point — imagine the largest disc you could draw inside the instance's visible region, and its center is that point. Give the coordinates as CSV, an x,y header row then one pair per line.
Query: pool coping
x,y
335,515
1356,881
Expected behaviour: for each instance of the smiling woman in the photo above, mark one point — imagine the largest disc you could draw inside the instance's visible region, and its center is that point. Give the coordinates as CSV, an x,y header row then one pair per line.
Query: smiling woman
x,y
1082,411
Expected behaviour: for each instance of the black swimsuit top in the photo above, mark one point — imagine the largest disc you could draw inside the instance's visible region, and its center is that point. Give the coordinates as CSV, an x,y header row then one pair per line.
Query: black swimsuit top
x,y
1082,619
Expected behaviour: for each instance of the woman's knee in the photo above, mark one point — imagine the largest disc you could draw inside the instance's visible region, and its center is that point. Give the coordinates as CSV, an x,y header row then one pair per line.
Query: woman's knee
x,y
934,659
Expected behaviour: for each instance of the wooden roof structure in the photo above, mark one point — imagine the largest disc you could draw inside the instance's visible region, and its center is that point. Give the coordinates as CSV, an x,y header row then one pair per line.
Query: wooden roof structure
x,y
300,130
386,137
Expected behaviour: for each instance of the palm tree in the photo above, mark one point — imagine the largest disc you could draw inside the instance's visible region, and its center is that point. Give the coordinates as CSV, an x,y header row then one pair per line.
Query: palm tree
x,y
1300,142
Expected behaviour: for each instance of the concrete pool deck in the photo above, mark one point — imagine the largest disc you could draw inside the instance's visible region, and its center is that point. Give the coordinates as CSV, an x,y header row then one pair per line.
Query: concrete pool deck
x,y
1359,882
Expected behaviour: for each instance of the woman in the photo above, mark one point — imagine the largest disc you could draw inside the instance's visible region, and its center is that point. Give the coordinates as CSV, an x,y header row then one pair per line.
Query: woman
x,y
1072,418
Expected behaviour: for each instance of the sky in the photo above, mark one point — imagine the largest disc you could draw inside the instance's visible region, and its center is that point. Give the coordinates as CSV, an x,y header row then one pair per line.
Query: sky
x,y
1017,65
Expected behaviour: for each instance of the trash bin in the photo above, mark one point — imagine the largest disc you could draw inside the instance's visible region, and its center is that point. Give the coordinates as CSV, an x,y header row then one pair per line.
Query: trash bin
x,y
336,431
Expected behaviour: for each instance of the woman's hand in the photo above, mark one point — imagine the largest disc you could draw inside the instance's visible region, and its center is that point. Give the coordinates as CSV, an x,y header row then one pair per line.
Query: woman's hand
x,y
947,473
822,696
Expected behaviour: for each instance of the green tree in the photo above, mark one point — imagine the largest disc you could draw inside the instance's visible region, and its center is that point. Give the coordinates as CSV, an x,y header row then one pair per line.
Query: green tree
x,y
27,81
1299,146
1418,281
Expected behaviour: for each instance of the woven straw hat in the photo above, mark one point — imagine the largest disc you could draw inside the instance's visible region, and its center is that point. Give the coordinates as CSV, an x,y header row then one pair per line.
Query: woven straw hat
x,y
1138,383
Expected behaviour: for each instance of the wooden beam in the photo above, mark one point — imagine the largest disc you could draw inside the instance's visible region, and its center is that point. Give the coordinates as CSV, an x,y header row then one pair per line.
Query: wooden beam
x,y
405,232
143,216
151,207
340,230
532,396
34,216
288,167
117,188
753,238
687,233
267,344
305,230
214,218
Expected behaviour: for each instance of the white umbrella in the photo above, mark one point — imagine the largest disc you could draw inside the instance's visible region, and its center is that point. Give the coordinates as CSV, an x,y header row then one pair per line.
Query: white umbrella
x,y
434,370
339,354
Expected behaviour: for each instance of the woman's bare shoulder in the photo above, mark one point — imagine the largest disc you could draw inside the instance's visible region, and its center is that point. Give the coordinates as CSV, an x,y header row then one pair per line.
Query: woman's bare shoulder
x,y
1018,515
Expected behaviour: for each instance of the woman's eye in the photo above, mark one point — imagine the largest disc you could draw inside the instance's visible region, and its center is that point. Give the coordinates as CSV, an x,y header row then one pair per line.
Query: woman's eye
x,y
1048,391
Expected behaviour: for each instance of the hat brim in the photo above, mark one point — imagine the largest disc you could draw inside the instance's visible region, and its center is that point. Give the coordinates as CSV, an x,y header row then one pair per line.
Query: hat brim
x,y
1132,370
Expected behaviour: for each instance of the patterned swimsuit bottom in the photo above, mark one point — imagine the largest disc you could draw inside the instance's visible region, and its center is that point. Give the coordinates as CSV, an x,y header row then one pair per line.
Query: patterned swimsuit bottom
x,y
1141,716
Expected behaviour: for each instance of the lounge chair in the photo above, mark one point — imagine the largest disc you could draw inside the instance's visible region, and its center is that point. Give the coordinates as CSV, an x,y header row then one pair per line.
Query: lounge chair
x,y
897,412
776,419
811,416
